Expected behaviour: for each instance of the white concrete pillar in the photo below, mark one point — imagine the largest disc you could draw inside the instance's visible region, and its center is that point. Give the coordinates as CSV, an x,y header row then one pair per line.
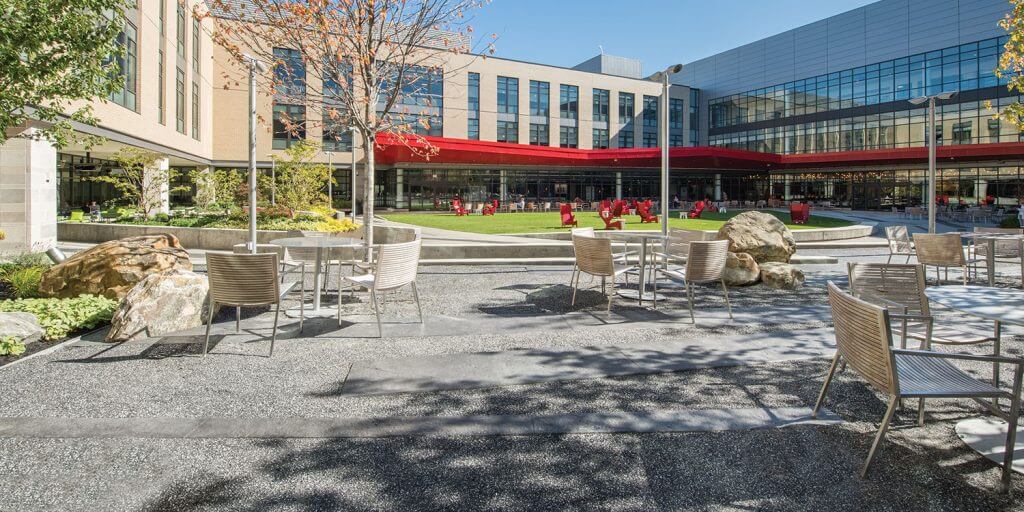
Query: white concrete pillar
x,y
28,193
156,184
618,185
979,191
786,183
503,181
399,187
718,187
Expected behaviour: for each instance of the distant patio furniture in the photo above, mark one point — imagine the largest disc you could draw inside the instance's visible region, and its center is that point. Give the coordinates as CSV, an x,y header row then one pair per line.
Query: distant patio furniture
x,y
799,213
513,207
531,207
899,242
698,209
705,263
864,342
644,211
916,213
594,257
395,268
546,207
246,280
609,220
944,251
77,216
459,209
568,219
489,209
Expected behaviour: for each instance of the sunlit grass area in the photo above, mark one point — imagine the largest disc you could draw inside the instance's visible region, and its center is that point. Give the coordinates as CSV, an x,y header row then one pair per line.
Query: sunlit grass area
x,y
507,223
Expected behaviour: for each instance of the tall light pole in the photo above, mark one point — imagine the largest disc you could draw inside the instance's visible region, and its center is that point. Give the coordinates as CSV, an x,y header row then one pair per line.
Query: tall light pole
x,y
664,76
330,181
932,142
352,184
273,179
254,66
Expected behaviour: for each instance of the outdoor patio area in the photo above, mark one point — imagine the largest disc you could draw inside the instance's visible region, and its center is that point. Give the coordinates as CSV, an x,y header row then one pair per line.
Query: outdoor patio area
x,y
505,398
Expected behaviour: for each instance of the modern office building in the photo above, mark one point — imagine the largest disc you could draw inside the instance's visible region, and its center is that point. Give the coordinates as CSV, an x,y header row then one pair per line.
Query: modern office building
x,y
820,112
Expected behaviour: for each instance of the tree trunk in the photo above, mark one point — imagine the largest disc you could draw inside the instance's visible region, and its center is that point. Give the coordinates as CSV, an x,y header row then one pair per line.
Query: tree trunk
x,y
368,190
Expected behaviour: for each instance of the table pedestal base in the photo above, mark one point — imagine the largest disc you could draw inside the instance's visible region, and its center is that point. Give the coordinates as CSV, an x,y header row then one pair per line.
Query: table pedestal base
x,y
636,295
310,312
987,436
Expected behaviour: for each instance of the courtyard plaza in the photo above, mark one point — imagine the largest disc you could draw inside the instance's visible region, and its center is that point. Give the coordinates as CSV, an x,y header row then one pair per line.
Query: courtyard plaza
x,y
505,398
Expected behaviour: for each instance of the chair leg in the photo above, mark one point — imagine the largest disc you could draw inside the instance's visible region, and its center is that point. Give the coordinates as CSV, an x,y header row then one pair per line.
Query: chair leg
x,y
273,334
824,387
376,311
575,286
996,349
728,306
920,412
416,297
689,295
893,403
238,319
209,322
1011,433
302,299
890,259
609,312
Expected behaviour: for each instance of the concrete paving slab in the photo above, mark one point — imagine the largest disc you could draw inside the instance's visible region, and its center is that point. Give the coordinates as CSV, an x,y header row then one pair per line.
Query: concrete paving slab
x,y
680,420
495,369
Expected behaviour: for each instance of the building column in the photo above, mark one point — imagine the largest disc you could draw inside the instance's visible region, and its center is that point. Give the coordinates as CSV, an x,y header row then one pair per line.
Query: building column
x,y
399,187
718,187
28,193
980,191
618,185
155,183
830,189
786,189
503,184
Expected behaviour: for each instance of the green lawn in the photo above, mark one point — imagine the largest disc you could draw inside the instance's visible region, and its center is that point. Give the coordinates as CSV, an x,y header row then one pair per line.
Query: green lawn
x,y
507,223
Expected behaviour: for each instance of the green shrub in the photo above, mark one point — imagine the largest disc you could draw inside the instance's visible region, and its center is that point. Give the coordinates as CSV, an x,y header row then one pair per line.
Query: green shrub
x,y
62,317
24,282
11,346
162,217
1010,222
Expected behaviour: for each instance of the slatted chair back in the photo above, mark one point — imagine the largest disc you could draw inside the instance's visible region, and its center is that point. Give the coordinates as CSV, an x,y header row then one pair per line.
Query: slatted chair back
x,y
863,339
594,255
940,250
899,239
588,231
243,279
706,261
1004,248
261,249
397,265
899,283
679,240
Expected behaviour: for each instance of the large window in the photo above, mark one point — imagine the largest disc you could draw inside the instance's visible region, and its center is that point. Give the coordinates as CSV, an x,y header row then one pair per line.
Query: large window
x,y
676,113
289,125
289,74
421,101
600,138
195,111
694,117
508,109
650,122
540,96
336,135
601,105
161,88
179,100
626,114
181,28
195,45
569,101
539,134
473,107
127,68
568,137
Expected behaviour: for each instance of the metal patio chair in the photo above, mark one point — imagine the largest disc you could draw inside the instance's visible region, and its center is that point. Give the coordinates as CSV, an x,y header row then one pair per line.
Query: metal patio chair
x,y
395,268
864,342
899,242
705,263
945,251
594,257
247,280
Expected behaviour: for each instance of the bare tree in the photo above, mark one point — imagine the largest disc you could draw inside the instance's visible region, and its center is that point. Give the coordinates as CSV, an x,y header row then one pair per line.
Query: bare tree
x,y
370,64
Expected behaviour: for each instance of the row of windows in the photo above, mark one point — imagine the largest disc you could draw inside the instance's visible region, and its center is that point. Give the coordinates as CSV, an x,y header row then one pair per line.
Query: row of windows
x,y
960,123
959,68
473,107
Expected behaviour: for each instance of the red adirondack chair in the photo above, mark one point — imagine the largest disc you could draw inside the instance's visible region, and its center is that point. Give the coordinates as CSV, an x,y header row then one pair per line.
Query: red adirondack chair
x,y
606,204
459,210
698,208
491,208
799,213
644,211
618,207
568,219
609,222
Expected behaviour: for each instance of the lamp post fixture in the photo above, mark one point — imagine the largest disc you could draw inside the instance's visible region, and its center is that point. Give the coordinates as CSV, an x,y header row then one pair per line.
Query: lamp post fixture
x,y
254,66
330,181
273,179
932,142
663,76
352,184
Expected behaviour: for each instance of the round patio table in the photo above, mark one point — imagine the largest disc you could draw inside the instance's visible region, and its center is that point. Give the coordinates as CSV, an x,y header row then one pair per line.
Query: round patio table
x,y
985,435
990,254
640,294
320,243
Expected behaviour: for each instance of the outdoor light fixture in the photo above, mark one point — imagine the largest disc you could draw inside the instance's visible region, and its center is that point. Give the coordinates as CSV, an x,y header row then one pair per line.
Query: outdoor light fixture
x,y
352,185
254,66
664,76
932,142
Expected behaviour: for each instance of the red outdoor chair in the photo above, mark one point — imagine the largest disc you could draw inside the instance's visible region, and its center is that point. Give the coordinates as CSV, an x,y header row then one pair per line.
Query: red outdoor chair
x,y
609,222
568,219
698,208
491,208
618,207
606,205
459,210
799,213
644,211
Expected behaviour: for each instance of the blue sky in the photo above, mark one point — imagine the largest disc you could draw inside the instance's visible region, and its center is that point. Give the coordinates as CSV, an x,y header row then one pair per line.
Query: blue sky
x,y
658,32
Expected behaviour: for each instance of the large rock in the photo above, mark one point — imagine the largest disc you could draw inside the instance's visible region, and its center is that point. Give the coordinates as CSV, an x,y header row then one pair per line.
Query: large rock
x,y
161,304
760,235
112,268
740,269
782,276
23,326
